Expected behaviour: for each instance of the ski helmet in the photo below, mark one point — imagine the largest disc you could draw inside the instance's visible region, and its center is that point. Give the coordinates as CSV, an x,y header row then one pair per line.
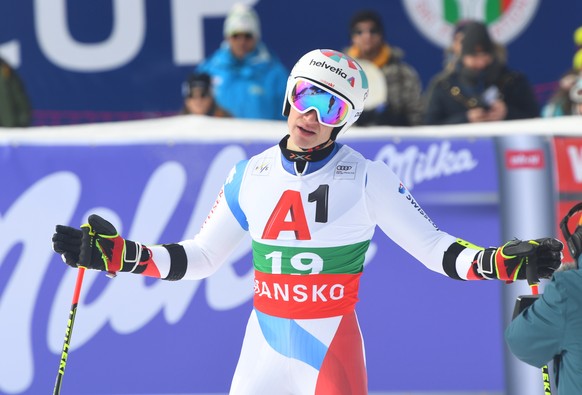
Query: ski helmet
x,y
335,73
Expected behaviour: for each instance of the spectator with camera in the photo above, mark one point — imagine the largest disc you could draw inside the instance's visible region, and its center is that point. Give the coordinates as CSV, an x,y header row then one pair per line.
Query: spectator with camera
x,y
480,87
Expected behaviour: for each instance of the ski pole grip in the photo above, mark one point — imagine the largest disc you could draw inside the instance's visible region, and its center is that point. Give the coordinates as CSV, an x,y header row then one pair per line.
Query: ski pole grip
x,y
531,270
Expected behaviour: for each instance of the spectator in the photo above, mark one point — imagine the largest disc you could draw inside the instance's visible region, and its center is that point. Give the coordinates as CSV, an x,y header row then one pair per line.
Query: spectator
x,y
199,98
453,52
248,80
15,109
567,99
480,87
403,106
551,326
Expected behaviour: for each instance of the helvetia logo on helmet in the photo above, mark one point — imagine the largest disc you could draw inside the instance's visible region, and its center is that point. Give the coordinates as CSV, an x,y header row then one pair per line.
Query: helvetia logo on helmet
x,y
333,69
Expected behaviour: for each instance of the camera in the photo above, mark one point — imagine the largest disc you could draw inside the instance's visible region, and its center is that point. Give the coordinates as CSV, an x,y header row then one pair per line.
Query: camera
x,y
522,303
488,97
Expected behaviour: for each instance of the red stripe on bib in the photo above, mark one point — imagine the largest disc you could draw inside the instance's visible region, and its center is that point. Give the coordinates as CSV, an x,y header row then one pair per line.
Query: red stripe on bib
x,y
306,296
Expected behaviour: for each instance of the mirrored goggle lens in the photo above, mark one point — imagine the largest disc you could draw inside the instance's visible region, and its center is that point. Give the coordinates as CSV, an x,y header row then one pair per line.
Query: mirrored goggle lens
x,y
332,110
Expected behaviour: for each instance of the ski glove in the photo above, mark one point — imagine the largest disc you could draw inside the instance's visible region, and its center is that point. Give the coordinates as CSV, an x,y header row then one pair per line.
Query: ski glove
x,y
97,246
67,243
510,261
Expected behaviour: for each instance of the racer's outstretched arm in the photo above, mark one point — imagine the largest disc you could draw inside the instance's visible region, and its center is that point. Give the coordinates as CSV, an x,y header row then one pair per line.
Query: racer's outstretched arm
x,y
99,246
402,219
201,256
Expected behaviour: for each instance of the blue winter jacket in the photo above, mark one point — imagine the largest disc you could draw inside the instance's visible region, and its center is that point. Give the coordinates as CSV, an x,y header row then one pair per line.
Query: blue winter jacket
x,y
252,87
552,325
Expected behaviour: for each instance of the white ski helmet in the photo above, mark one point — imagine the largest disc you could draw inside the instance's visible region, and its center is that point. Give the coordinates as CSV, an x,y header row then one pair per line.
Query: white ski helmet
x,y
336,73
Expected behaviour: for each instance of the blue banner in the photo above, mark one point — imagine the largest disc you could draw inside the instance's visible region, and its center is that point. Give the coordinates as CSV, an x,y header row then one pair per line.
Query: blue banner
x,y
136,335
126,59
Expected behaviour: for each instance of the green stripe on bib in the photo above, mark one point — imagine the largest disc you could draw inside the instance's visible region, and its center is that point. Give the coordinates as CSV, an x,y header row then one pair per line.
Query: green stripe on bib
x,y
347,259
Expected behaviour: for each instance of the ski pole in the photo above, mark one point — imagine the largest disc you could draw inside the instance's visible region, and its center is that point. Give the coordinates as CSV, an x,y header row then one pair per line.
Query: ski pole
x,y
533,281
69,331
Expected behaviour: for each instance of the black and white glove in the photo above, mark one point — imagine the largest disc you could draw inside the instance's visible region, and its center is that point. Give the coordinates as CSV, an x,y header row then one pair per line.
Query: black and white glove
x,y
97,245
510,261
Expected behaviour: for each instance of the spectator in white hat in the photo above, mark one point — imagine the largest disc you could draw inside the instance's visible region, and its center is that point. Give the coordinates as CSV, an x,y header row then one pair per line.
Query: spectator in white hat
x,y
248,80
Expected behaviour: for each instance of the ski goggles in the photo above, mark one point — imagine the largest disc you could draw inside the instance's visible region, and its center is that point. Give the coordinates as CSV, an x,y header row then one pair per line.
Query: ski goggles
x,y
332,110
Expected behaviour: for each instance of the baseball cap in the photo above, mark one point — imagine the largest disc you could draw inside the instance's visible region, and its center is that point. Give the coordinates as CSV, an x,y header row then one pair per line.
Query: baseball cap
x,y
200,81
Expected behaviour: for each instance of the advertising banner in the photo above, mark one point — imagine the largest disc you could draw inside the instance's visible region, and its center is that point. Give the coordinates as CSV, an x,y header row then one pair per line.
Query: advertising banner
x,y
137,335
568,153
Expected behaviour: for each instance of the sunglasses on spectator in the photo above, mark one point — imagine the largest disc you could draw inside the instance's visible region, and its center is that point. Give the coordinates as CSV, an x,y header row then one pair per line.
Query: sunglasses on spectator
x,y
372,31
199,93
332,109
246,36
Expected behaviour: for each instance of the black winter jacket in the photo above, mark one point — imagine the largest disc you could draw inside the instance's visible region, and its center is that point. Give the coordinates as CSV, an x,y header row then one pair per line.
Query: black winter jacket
x,y
449,96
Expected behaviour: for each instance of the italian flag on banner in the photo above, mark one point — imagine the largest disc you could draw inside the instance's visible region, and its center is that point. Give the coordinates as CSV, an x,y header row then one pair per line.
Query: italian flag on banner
x,y
493,10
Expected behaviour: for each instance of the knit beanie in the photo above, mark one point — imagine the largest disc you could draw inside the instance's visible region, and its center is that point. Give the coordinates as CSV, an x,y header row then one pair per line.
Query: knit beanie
x,y
242,19
477,39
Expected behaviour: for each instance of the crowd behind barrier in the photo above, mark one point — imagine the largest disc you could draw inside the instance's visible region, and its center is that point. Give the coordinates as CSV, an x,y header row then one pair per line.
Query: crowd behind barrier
x,y
241,25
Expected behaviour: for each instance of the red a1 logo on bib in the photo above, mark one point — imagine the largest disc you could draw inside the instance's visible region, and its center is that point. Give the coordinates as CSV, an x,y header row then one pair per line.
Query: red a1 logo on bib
x,y
289,205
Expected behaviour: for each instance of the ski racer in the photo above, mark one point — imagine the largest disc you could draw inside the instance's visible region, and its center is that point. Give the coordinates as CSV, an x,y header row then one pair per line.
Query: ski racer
x,y
311,205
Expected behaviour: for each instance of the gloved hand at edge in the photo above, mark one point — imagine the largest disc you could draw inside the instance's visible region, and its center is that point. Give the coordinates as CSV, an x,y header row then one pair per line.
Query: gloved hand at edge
x,y
509,261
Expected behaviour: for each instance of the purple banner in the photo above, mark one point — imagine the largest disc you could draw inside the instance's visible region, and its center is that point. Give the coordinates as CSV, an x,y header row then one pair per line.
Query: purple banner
x,y
135,335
